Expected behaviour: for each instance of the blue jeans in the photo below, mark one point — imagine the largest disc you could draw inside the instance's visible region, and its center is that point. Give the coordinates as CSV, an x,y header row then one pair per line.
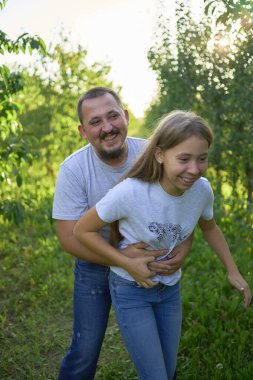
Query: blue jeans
x,y
150,324
92,304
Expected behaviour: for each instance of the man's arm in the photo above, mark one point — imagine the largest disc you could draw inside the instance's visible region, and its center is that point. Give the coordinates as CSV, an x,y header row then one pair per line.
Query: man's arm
x,y
70,244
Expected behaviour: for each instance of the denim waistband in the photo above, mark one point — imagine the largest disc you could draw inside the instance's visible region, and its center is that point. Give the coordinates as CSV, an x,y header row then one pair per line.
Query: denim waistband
x,y
82,264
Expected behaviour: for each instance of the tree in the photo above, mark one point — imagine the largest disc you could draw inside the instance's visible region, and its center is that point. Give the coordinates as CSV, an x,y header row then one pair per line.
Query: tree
x,y
234,60
176,61
15,151
209,70
52,87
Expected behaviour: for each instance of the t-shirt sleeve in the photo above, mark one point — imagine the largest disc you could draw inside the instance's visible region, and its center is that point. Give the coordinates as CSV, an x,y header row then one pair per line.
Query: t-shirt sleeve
x,y
207,213
115,204
70,199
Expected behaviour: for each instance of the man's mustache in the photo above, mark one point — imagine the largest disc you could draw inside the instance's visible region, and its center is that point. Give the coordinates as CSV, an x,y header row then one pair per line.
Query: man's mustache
x,y
114,131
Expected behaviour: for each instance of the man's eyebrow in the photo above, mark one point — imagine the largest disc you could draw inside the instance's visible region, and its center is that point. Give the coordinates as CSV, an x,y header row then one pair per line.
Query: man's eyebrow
x,y
113,111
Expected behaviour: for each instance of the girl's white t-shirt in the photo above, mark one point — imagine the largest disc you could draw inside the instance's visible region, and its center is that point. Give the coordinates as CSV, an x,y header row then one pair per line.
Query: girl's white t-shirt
x,y
147,213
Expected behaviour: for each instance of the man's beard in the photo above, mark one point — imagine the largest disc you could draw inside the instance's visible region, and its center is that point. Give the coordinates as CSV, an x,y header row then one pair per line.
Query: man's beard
x,y
114,154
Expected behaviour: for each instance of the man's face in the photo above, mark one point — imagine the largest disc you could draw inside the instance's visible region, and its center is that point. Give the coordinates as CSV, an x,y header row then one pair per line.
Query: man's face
x,y
105,127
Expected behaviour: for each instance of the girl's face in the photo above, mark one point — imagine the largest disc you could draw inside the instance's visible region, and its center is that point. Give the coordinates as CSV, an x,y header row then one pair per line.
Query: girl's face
x,y
183,164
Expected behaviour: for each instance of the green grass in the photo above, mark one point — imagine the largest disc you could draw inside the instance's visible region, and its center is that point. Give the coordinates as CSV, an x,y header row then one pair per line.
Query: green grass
x,y
36,280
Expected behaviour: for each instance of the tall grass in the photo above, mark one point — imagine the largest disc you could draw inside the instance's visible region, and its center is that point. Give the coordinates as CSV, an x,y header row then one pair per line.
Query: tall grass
x,y
36,280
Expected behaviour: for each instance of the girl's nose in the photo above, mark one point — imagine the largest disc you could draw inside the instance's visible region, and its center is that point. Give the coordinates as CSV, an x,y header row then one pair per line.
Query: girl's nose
x,y
194,168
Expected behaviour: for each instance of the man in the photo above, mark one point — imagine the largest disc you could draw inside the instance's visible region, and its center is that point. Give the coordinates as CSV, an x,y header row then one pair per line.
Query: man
x,y
84,178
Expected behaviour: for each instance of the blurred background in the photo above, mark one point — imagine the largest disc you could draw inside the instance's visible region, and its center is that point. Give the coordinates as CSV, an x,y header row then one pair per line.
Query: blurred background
x,y
160,56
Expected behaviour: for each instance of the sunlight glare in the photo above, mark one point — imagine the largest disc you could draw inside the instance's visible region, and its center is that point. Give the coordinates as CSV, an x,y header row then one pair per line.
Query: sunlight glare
x,y
224,42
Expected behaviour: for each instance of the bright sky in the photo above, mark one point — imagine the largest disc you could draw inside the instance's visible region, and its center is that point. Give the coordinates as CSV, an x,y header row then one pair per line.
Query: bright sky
x,y
117,32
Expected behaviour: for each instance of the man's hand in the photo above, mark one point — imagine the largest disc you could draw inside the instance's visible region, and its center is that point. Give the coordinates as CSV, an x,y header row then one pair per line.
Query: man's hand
x,y
163,267
171,265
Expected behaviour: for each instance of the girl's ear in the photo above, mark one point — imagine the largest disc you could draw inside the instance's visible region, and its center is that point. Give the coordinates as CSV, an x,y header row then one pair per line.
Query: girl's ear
x,y
159,155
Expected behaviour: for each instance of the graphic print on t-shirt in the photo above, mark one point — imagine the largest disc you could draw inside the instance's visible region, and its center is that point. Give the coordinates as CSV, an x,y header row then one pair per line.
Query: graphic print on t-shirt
x,y
172,232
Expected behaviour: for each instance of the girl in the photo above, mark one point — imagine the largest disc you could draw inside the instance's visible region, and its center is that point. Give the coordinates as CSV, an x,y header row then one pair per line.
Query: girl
x,y
160,202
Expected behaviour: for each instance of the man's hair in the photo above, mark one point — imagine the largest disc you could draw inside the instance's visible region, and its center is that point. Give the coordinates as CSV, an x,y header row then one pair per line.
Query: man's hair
x,y
96,92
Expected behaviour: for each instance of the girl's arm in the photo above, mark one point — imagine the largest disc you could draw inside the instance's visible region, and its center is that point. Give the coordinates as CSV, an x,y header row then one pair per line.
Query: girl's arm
x,y
86,231
217,242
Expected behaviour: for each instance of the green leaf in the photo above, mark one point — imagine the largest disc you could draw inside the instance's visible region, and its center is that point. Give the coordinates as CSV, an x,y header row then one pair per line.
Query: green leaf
x,y
19,180
22,36
209,3
5,74
2,4
42,45
18,213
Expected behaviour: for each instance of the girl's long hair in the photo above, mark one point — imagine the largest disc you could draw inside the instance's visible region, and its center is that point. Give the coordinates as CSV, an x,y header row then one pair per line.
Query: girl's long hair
x,y
173,129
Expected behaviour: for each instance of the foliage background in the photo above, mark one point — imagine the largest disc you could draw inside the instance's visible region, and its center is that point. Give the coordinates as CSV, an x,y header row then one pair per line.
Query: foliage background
x,y
206,67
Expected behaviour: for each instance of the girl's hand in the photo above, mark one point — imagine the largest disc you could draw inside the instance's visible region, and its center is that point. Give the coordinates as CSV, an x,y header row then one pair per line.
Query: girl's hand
x,y
239,283
138,269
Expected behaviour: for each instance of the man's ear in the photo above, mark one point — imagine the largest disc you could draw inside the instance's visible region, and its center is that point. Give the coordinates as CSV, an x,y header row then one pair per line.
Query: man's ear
x,y
82,131
126,115
159,155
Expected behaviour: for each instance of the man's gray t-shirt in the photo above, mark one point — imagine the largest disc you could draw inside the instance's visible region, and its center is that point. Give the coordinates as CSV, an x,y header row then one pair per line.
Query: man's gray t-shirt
x,y
84,179
148,213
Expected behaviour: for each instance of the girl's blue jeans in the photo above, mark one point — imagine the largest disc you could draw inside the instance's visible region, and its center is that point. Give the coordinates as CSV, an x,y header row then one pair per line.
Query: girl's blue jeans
x,y
92,304
150,323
